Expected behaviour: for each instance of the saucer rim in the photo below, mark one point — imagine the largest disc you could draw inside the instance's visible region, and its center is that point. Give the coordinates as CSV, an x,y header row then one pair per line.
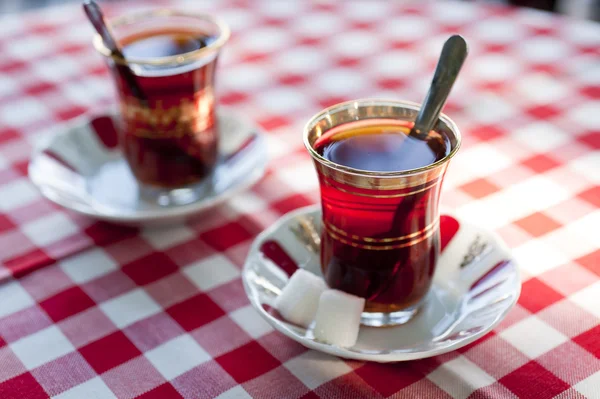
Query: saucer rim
x,y
348,353
136,217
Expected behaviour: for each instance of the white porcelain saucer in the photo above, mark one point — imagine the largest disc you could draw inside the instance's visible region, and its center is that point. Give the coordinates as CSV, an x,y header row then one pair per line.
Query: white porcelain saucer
x,y
476,283
82,168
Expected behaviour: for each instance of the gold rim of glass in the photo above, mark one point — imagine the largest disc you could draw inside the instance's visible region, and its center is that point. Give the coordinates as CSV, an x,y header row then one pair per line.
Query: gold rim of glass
x,y
370,102
128,19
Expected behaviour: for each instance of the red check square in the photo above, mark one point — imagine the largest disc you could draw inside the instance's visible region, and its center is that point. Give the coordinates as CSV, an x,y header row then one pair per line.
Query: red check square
x,y
195,312
480,188
591,92
227,236
544,111
540,163
149,268
591,262
164,391
391,83
591,139
273,122
39,88
67,303
535,295
292,80
487,132
5,223
532,381
7,135
259,361
590,341
21,387
109,352
388,379
290,203
591,195
538,224
70,113
105,233
233,97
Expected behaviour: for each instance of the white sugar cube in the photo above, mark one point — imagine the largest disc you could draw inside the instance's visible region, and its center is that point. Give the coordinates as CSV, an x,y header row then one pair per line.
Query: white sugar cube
x,y
338,318
300,297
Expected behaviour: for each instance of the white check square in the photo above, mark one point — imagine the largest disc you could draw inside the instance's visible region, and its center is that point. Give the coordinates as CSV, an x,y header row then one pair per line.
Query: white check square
x,y
129,308
406,27
263,39
317,24
28,47
315,368
588,165
42,347
168,237
537,257
245,77
57,68
588,299
533,337
589,387
251,322
578,238
88,265
541,49
489,108
335,81
49,229
541,136
355,43
540,88
14,298
282,100
464,370
299,60
94,388
211,272
248,202
395,64
23,112
16,194
236,392
177,356
301,177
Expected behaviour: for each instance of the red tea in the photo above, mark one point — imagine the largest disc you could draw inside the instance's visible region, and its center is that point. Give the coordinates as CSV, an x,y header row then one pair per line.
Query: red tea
x,y
380,244
170,135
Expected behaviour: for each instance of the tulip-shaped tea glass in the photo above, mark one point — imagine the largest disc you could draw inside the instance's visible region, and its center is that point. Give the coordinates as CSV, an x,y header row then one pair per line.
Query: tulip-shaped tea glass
x,y
381,237
165,87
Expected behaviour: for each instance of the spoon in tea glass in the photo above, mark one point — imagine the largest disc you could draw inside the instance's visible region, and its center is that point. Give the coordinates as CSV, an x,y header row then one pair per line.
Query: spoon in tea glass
x,y
451,60
96,17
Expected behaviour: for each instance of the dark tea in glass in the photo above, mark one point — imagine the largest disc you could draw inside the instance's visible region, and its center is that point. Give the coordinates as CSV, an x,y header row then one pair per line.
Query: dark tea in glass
x,y
380,191
168,112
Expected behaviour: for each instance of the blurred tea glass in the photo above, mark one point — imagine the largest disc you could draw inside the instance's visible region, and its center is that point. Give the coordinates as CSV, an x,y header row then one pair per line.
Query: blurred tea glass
x,y
381,237
167,101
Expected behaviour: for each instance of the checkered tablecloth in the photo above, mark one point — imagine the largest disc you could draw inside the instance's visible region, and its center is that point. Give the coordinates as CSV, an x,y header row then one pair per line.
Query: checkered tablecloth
x,y
91,310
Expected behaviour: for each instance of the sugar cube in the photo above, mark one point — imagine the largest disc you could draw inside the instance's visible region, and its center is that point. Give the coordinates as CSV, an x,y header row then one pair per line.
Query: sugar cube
x,y
299,299
338,318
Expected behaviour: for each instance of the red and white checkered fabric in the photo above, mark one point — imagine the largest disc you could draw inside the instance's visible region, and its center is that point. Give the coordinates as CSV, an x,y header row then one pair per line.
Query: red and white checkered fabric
x,y
90,310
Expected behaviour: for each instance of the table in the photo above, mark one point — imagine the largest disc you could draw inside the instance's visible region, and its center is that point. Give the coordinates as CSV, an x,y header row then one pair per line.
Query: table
x,y
88,309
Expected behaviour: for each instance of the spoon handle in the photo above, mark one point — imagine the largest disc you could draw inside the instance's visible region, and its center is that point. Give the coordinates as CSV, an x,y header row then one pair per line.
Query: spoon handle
x,y
451,60
96,17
